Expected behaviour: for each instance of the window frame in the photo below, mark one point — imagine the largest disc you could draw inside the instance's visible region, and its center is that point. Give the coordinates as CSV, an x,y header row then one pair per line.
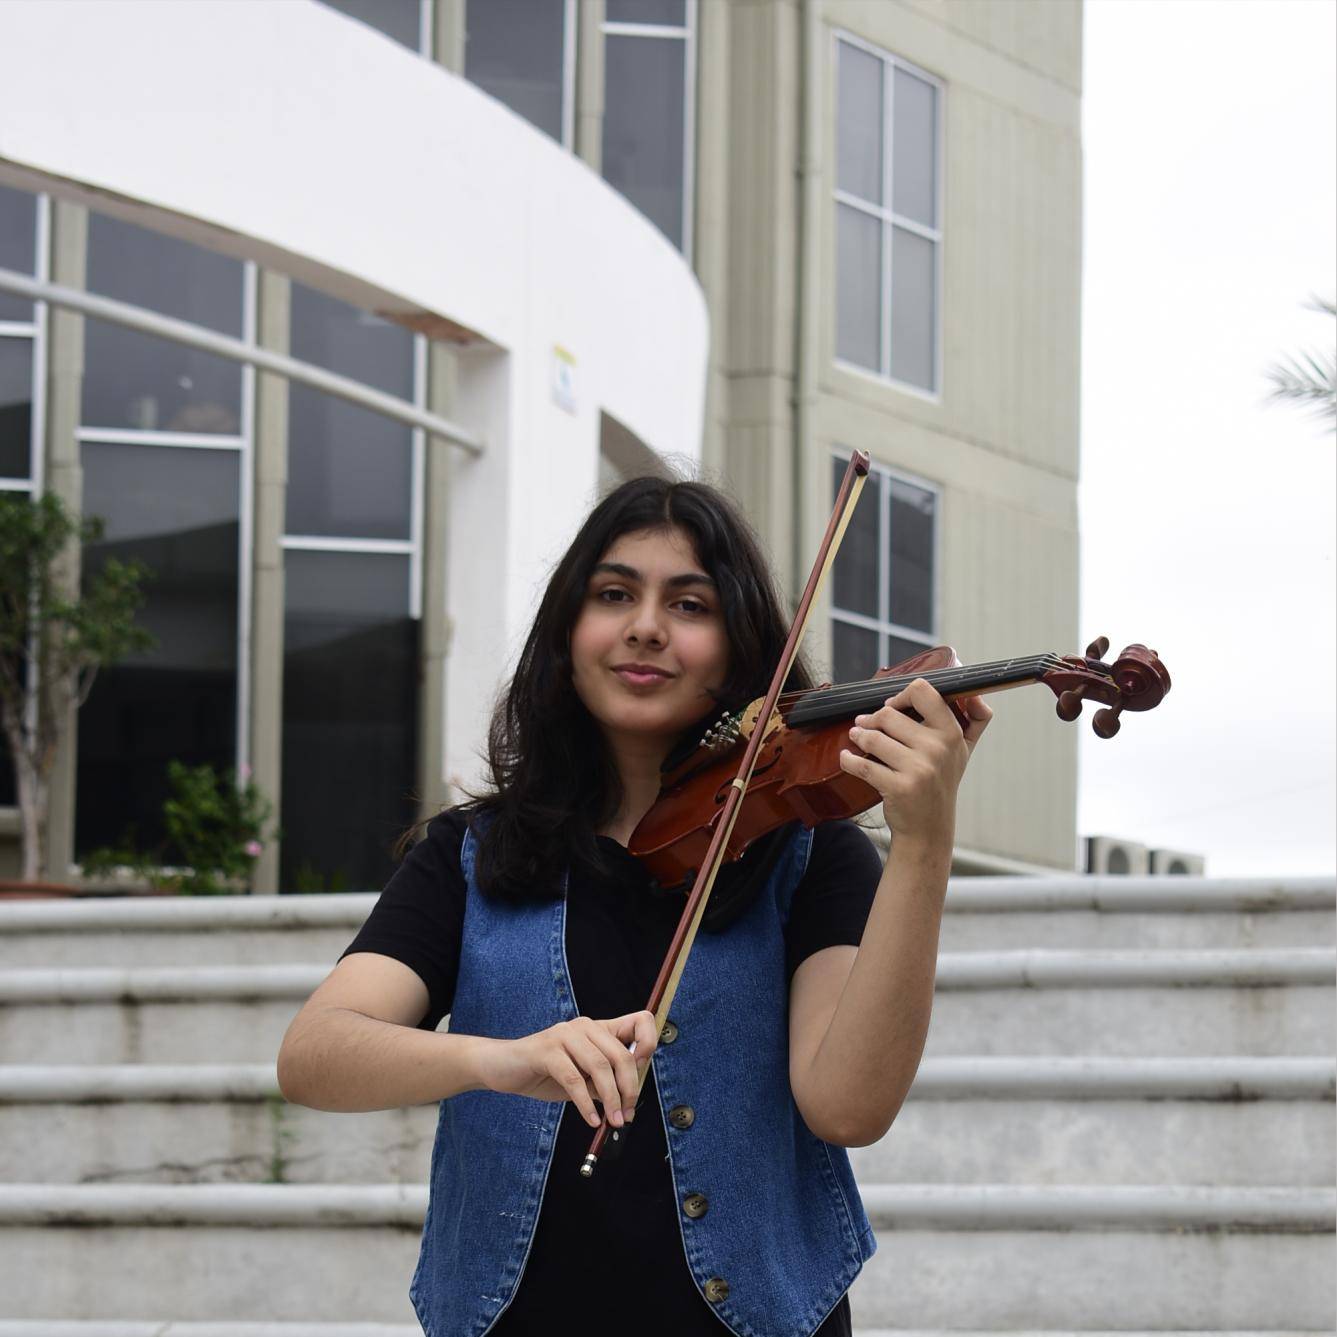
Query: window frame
x,y
688,34
887,218
883,626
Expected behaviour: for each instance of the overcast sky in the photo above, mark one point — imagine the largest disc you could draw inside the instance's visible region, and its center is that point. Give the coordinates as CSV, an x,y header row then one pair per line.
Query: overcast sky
x,y
1207,515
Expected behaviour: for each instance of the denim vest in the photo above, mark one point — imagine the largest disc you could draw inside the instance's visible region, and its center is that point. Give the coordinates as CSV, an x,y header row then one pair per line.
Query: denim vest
x,y
784,1232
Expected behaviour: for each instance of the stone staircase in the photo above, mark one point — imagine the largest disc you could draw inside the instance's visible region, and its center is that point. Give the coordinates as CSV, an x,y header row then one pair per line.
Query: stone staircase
x,y
1123,1123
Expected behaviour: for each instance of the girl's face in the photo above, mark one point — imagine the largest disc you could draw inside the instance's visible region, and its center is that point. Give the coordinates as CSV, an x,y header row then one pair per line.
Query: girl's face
x,y
649,605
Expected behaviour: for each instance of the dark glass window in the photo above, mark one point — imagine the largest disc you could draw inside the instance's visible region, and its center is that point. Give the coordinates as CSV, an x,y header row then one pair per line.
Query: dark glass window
x,y
395,18
18,246
877,616
350,718
132,380
349,470
643,130
176,510
15,408
514,50
671,13
888,234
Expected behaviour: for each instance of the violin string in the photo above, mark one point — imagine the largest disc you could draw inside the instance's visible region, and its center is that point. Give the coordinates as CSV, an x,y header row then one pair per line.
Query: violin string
x,y
947,679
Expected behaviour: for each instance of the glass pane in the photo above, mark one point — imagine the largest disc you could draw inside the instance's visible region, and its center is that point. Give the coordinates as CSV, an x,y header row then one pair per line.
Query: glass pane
x,y
858,288
349,469
899,650
15,408
859,128
164,274
350,719
912,318
175,510
914,137
134,380
395,18
911,556
355,343
643,126
853,652
670,12
854,576
18,246
514,52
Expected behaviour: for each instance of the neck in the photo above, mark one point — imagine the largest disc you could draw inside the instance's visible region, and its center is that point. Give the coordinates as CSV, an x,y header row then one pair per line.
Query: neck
x,y
638,758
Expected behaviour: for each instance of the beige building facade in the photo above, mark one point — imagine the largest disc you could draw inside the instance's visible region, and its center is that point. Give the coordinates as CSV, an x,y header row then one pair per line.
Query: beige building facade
x,y
881,200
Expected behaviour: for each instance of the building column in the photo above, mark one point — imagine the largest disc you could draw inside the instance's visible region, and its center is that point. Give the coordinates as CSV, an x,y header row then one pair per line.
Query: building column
x,y
590,83
64,476
269,502
448,34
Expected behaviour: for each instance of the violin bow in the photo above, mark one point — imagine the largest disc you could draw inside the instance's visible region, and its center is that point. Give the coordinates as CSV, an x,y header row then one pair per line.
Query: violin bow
x,y
666,985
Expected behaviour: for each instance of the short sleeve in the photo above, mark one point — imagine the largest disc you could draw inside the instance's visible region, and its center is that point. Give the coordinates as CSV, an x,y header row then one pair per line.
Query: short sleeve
x,y
833,898
419,917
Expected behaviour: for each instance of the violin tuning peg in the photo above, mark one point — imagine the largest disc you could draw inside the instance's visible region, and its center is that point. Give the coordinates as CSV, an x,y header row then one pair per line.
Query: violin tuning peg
x,y
1106,722
1069,704
1097,648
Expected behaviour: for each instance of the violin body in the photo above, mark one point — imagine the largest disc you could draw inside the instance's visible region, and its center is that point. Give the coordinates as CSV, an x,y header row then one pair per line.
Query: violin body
x,y
797,775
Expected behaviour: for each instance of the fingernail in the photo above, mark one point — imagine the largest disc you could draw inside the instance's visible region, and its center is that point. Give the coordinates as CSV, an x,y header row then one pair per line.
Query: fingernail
x,y
854,733
615,1118
630,1113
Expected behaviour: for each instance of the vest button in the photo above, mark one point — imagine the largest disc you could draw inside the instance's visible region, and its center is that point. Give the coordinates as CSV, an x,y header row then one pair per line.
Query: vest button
x,y
695,1204
717,1289
682,1116
668,1034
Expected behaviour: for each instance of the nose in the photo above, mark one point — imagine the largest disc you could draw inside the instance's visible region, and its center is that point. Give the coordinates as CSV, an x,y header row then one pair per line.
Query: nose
x,y
646,625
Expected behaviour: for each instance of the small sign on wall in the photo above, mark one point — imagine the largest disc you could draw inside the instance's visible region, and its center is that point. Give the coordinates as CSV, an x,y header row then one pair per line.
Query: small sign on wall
x,y
564,378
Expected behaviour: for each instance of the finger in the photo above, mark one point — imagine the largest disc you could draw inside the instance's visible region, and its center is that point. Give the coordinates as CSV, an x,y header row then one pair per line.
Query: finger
x,y
564,1072
624,1070
598,1066
927,700
889,751
872,773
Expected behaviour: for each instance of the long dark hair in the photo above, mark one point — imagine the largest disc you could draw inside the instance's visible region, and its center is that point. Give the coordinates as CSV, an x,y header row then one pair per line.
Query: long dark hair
x,y
553,781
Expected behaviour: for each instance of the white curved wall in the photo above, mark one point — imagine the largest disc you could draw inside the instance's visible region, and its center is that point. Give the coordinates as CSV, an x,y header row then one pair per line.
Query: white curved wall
x,y
285,133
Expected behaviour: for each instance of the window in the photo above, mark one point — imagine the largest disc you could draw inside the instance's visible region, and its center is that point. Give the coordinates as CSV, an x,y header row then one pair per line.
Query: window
x,y
883,605
523,54
351,565
403,20
649,82
888,223
164,440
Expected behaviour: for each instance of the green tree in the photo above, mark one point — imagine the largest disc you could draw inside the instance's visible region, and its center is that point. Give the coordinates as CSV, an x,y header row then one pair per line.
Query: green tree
x,y
1309,378
51,647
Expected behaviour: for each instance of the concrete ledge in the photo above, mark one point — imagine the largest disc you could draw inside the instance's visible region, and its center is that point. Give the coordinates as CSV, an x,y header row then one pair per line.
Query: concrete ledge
x,y
967,1077
956,970
1132,968
949,1207
1081,1207
1141,894
964,894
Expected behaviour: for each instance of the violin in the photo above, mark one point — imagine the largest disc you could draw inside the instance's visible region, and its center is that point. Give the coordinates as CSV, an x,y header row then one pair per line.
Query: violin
x,y
797,772
715,803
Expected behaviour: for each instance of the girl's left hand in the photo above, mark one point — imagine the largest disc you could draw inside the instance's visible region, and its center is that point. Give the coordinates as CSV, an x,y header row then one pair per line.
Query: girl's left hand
x,y
916,765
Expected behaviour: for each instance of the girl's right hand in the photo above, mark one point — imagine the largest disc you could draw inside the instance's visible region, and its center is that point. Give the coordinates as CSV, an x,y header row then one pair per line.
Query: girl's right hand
x,y
582,1060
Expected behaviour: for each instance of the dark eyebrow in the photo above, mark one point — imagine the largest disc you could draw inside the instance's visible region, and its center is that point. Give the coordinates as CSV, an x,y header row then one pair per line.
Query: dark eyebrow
x,y
673,582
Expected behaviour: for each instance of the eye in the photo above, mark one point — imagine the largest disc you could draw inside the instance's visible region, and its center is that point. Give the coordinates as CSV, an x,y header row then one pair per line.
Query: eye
x,y
611,589
693,605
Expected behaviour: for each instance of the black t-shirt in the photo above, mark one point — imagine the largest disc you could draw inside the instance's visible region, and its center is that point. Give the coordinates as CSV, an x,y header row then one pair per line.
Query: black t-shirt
x,y
611,1245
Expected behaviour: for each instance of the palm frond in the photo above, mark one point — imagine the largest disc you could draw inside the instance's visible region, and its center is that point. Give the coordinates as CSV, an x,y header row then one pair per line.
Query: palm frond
x,y
1310,378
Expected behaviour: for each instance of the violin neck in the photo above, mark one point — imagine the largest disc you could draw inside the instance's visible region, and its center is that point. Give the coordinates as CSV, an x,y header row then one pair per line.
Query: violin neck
x,y
845,700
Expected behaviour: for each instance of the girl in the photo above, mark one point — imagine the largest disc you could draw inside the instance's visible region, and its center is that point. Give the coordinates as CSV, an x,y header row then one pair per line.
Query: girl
x,y
798,1022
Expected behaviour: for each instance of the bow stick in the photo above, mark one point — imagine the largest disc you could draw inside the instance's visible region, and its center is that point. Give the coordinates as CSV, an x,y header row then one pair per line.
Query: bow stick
x,y
666,985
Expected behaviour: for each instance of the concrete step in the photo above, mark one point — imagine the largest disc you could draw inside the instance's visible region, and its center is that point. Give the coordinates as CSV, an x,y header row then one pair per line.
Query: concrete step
x,y
1168,1003
982,913
1041,1121
949,1257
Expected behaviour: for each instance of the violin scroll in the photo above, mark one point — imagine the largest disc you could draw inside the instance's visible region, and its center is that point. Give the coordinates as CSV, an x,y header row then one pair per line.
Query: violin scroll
x,y
1137,680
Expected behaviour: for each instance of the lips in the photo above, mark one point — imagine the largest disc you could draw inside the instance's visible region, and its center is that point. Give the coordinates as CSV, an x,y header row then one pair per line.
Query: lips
x,y
642,675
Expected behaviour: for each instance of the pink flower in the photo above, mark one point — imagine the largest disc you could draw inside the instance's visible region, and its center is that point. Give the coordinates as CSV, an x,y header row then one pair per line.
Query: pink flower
x,y
253,848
